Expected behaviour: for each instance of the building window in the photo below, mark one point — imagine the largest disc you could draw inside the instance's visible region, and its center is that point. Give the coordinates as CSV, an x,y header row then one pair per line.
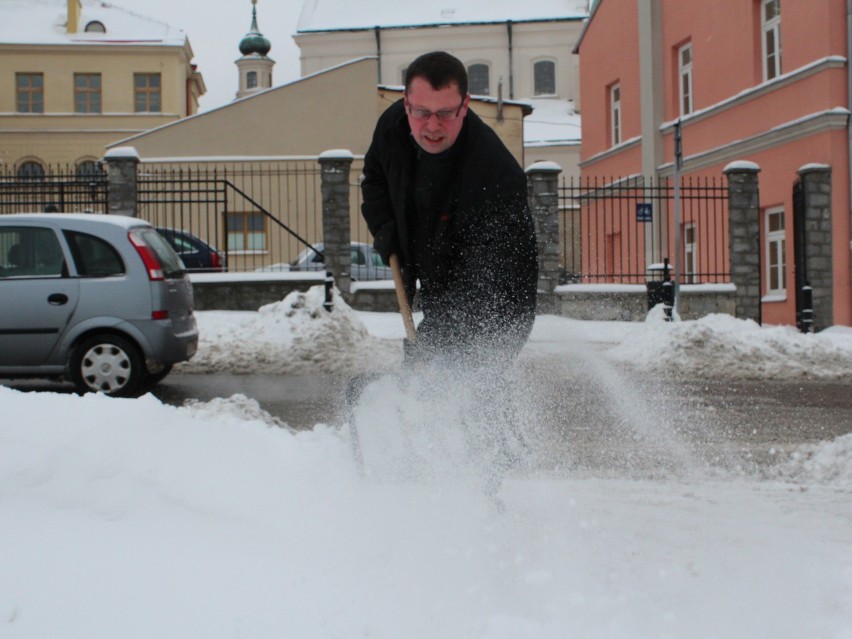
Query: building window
x,y
684,56
770,13
246,232
251,79
31,170
87,169
776,249
147,92
544,77
95,26
87,92
30,92
690,254
477,79
615,114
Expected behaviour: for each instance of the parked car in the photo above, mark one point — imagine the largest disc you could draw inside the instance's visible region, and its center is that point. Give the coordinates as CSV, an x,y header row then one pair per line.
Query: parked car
x,y
197,255
102,300
367,264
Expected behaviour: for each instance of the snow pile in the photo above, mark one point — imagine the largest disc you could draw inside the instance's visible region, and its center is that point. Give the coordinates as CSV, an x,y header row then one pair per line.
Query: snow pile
x,y
722,345
237,406
295,335
829,462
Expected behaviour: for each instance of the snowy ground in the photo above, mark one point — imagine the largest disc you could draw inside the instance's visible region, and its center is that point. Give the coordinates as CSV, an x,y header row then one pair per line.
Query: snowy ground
x,y
131,518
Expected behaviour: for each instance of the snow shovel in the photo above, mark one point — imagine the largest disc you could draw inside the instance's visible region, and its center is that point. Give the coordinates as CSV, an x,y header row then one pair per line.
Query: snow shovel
x,y
402,301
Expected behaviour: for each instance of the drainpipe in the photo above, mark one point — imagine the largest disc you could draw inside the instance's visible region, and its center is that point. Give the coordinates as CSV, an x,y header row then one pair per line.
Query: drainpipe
x,y
378,31
512,60
849,102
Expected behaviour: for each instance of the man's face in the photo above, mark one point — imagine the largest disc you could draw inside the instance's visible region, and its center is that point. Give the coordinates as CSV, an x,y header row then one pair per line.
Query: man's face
x,y
435,117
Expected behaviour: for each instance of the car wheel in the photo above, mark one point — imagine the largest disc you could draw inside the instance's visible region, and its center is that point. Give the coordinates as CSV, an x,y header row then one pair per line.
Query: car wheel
x,y
108,364
156,378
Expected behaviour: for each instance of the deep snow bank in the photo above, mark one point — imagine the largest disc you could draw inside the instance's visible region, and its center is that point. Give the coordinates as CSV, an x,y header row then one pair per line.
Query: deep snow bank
x,y
296,335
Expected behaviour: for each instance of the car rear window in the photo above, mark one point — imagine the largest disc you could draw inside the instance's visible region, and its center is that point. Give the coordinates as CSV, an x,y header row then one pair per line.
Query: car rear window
x,y
169,260
93,256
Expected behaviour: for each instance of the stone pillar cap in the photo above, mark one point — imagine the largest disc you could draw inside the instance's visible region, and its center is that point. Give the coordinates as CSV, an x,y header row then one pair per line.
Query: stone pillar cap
x,y
337,154
741,166
544,167
122,153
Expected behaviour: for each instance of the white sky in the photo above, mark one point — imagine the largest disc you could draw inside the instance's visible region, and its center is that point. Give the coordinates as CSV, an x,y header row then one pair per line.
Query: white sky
x,y
215,28
130,518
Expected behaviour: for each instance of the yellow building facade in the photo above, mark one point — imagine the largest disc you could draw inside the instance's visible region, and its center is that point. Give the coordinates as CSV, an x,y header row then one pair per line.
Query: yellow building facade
x,y
79,74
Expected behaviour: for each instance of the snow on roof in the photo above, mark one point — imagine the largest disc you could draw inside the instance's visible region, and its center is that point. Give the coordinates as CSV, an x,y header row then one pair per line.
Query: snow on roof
x,y
552,122
338,15
43,22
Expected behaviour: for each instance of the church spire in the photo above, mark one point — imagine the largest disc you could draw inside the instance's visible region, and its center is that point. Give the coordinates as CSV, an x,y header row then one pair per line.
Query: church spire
x,y
254,42
254,66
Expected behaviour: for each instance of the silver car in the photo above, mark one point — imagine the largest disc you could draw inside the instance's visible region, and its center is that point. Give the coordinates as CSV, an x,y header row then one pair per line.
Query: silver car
x,y
102,300
366,262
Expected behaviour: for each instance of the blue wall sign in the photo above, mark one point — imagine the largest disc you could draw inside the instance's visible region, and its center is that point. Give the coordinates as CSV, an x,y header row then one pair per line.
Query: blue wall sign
x,y
644,212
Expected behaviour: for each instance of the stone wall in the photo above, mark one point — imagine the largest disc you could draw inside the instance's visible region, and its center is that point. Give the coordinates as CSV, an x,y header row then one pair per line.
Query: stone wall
x,y
566,301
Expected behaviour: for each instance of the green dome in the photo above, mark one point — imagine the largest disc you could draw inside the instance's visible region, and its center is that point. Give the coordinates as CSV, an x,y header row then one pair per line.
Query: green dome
x,y
254,42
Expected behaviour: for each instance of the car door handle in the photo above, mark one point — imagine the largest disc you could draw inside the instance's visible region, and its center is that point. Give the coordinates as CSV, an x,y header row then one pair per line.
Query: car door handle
x,y
57,299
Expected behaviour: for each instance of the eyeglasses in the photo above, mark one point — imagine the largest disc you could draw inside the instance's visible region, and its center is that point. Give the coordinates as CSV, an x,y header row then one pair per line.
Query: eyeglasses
x,y
443,115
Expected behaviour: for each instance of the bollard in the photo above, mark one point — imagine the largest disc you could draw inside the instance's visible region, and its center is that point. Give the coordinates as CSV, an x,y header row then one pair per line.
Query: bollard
x,y
328,304
807,323
668,291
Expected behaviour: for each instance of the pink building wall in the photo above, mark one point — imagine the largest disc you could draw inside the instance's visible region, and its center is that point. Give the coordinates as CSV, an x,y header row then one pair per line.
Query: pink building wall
x,y
736,116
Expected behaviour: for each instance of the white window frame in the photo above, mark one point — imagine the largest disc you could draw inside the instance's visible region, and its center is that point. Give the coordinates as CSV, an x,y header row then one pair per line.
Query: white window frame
x,y
685,77
770,30
776,239
615,114
690,253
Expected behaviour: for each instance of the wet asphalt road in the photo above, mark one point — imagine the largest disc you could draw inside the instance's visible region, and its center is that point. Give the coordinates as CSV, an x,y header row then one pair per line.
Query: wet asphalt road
x,y
580,418
597,421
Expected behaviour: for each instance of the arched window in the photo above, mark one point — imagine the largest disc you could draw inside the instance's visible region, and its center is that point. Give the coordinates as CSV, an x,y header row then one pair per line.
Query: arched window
x,y
477,79
88,168
251,79
544,77
95,26
31,170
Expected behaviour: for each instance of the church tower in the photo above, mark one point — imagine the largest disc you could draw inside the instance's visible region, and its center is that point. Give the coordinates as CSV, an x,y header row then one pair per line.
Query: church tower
x,y
254,66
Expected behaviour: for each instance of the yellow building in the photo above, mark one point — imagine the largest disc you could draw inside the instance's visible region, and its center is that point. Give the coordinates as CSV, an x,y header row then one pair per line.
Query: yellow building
x,y
79,74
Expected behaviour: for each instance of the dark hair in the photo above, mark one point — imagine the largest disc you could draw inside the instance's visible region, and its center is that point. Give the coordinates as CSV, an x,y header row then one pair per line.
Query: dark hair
x,y
440,69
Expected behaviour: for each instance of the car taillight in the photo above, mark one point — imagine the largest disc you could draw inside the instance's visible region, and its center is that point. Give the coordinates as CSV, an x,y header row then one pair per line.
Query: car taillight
x,y
215,260
160,315
149,257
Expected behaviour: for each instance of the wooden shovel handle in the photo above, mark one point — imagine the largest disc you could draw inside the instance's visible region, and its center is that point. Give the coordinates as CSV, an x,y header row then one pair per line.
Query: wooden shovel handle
x,y
402,298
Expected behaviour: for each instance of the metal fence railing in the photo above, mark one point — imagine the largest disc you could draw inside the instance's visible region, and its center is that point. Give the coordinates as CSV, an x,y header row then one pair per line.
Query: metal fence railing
x,y
261,214
622,231
59,188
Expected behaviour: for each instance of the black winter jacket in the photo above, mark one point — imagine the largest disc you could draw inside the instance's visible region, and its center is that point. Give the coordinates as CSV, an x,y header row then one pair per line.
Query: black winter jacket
x,y
478,278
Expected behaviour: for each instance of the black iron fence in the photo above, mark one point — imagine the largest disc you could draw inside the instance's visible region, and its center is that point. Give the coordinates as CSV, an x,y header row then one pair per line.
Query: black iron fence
x,y
59,188
260,214
622,231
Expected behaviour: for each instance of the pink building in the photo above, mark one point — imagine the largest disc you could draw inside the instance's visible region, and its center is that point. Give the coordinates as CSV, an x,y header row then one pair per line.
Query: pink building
x,y
764,84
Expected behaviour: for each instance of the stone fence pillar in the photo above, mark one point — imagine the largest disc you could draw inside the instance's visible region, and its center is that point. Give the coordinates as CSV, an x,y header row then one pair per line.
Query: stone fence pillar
x,y
744,237
335,166
123,198
543,192
816,188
